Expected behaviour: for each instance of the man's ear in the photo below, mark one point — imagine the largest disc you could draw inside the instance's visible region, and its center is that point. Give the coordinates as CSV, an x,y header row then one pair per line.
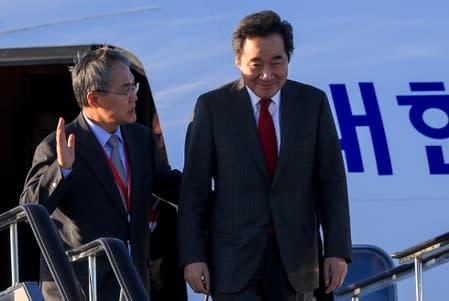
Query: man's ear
x,y
92,99
237,62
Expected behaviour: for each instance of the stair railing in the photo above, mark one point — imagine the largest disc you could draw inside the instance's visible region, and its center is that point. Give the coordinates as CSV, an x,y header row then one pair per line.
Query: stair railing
x,y
124,270
414,260
49,244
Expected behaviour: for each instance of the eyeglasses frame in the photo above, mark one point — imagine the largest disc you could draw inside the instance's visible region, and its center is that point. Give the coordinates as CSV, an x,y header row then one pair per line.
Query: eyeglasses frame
x,y
134,88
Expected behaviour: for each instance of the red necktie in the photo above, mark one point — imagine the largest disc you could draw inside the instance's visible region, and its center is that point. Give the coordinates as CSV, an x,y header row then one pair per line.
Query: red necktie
x,y
267,136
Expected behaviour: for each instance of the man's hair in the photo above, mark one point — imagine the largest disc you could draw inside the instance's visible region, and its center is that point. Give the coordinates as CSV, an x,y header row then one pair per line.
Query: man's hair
x,y
262,24
92,71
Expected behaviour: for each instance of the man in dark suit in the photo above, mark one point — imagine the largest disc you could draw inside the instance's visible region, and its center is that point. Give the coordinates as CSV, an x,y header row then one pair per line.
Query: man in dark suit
x,y
95,189
269,149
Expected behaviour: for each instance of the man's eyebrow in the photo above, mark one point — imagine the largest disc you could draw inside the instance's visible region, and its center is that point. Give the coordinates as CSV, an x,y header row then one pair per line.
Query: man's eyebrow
x,y
255,59
259,59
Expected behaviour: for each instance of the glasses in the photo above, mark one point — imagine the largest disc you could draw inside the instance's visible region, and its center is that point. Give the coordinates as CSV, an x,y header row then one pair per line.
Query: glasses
x,y
134,88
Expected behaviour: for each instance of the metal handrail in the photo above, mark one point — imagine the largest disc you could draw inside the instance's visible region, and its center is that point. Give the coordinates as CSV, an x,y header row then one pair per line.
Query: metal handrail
x,y
117,254
416,259
423,248
49,244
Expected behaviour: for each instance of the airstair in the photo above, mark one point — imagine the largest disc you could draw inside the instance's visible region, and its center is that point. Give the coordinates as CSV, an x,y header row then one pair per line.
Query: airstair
x,y
413,262
59,262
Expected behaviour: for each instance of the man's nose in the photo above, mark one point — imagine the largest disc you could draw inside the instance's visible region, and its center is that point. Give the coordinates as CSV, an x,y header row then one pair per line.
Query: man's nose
x,y
266,74
133,96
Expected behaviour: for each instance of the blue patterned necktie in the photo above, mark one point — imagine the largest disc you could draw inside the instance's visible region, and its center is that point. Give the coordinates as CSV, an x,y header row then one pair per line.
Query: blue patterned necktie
x,y
115,157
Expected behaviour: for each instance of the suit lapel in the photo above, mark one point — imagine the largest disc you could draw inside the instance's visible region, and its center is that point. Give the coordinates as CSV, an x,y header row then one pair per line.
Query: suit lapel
x,y
245,122
290,120
91,151
134,153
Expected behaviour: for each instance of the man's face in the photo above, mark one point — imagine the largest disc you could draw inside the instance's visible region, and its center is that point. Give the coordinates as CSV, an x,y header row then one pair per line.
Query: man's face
x,y
117,106
264,64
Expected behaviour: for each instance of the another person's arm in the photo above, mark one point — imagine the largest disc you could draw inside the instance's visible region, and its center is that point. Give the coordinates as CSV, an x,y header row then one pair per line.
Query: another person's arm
x,y
193,213
333,201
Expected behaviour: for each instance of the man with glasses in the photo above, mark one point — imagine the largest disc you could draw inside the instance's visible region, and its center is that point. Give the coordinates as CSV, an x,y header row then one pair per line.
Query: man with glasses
x,y
96,174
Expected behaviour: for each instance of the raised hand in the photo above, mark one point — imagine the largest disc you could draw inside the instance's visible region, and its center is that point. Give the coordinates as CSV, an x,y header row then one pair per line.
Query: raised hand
x,y
65,149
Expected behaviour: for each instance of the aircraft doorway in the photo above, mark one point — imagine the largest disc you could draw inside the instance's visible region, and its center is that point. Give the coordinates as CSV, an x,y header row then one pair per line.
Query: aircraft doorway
x,y
35,91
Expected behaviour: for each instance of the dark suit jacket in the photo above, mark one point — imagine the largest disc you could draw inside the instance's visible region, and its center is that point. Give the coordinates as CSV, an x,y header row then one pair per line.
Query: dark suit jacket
x,y
164,244
229,232
87,205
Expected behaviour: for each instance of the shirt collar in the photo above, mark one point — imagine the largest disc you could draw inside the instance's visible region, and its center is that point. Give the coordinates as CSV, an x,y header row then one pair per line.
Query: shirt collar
x,y
101,134
276,99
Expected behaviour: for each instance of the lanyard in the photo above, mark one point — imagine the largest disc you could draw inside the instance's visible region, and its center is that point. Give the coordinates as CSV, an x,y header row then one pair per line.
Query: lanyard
x,y
154,215
125,189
